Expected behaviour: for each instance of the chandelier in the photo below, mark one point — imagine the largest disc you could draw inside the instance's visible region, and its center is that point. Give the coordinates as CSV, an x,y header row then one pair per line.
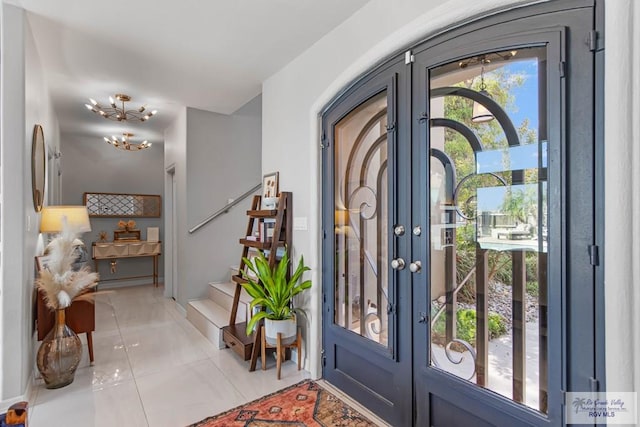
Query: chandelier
x,y
480,113
487,58
117,113
124,144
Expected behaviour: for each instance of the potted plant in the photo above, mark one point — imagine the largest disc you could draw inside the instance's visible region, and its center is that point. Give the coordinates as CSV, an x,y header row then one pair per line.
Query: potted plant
x,y
273,292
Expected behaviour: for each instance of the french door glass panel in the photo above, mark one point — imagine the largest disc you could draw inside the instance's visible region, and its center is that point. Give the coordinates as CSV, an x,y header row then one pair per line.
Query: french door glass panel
x,y
361,215
488,221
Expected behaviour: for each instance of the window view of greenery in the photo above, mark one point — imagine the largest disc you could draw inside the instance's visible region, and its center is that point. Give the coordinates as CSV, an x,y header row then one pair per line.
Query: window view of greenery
x,y
489,200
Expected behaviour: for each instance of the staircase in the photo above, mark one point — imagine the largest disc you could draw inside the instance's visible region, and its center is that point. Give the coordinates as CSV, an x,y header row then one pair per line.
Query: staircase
x,y
210,315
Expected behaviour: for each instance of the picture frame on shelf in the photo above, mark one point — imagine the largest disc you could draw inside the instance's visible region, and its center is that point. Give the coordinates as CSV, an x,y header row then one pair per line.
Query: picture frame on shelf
x,y
270,183
267,229
42,262
153,234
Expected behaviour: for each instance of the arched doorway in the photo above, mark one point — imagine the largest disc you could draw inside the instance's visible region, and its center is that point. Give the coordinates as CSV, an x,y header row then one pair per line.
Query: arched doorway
x,y
455,195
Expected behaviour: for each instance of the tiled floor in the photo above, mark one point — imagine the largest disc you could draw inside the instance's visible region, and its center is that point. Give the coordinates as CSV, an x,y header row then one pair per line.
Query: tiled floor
x,y
152,368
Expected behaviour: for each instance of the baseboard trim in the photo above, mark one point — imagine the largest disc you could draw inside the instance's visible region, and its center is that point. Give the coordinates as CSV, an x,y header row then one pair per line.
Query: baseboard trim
x,y
122,283
29,396
181,309
305,360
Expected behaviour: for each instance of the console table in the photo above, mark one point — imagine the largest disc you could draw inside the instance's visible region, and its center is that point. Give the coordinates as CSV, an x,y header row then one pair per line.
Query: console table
x,y
128,249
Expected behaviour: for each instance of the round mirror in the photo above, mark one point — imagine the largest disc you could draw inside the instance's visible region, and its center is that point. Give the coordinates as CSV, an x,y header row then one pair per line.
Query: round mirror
x,y
38,167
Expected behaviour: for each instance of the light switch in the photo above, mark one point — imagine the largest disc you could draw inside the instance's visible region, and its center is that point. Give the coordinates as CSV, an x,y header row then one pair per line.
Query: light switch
x,y
300,223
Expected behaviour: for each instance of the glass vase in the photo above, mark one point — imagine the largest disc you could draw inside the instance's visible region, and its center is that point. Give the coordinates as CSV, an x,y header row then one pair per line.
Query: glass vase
x,y
59,354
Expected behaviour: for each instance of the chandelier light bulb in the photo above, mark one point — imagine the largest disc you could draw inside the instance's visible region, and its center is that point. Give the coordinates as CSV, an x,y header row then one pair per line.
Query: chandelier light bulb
x,y
123,143
93,101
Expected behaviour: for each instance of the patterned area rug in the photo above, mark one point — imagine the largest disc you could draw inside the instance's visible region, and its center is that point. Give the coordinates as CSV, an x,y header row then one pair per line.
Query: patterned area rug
x,y
301,405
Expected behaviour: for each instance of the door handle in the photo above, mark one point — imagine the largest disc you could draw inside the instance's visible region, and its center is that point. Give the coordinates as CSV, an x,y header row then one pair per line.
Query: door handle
x,y
423,317
415,267
397,264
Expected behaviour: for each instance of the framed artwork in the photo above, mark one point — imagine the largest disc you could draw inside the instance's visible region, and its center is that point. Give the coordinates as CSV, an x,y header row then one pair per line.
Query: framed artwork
x,y
269,190
118,205
42,262
153,234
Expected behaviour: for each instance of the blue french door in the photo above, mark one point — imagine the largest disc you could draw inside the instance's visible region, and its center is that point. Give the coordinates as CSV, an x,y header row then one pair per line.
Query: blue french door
x,y
459,225
366,338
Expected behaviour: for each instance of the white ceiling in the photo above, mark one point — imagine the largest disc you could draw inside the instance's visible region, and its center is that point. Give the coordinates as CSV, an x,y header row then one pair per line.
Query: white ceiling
x,y
208,54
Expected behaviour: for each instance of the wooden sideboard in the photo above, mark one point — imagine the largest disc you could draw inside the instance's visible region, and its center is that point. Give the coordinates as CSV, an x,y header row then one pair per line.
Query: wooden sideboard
x,y
127,249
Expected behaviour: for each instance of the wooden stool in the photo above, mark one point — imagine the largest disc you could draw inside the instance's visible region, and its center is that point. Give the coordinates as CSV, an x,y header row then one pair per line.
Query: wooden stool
x,y
279,350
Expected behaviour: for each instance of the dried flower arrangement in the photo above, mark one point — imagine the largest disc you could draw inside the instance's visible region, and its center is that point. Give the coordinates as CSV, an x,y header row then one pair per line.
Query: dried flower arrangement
x,y
126,225
59,283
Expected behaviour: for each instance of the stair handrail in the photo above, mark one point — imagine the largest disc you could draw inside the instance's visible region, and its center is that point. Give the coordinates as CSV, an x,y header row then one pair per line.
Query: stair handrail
x,y
226,208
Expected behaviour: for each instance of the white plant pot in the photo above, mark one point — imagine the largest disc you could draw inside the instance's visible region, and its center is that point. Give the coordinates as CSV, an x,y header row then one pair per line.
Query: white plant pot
x,y
288,329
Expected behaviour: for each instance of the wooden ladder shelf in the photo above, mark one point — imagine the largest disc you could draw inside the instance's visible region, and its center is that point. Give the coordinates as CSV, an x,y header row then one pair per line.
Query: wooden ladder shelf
x,y
234,335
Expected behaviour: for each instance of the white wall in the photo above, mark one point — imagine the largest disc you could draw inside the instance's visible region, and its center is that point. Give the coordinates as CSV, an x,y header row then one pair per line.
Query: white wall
x,y
175,158
88,164
25,102
220,160
622,195
295,95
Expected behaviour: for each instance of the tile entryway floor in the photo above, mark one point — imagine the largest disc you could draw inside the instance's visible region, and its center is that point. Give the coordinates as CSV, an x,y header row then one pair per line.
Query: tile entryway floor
x,y
152,368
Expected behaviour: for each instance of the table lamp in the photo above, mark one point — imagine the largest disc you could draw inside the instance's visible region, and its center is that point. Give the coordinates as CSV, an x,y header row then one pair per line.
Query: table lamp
x,y
52,218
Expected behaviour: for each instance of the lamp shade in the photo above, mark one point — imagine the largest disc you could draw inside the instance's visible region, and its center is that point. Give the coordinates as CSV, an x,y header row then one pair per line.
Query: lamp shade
x,y
480,113
77,217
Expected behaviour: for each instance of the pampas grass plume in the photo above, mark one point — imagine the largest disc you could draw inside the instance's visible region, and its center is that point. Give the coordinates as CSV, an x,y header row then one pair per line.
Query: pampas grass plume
x,y
59,283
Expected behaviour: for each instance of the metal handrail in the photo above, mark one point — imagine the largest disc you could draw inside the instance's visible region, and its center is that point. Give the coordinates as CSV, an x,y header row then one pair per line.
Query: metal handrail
x,y
226,208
